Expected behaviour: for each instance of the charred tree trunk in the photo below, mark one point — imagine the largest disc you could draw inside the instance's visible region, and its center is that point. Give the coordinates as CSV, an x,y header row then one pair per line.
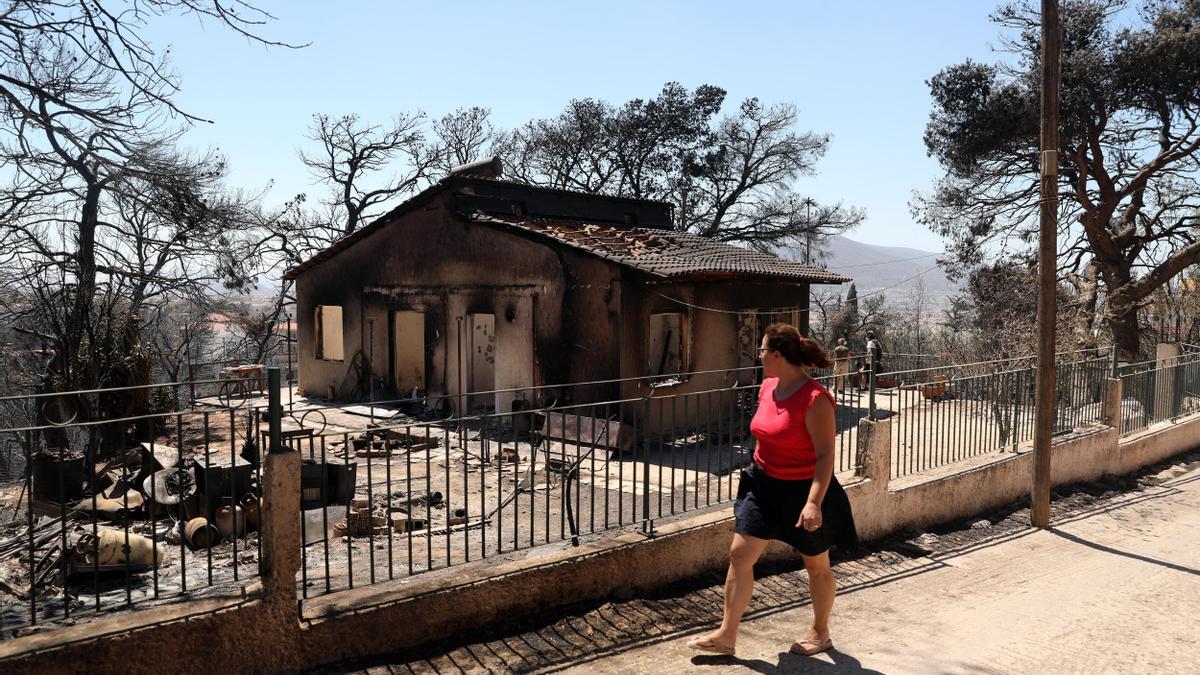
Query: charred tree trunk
x,y
1124,327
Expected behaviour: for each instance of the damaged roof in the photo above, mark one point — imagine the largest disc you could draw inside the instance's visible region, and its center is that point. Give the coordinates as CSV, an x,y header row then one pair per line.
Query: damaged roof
x,y
663,253
634,233
497,196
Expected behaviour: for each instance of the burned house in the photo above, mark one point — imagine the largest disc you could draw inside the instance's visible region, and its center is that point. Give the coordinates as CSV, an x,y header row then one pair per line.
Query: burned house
x,y
479,284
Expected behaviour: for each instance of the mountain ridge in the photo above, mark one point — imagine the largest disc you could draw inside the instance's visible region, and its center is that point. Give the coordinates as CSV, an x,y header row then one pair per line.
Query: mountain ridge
x,y
874,267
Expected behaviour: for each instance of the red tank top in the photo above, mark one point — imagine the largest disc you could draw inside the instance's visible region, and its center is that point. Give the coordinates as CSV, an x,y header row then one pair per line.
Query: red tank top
x,y
784,449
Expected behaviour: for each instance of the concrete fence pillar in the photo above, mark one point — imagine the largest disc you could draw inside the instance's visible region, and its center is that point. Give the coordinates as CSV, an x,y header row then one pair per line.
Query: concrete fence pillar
x,y
280,530
279,622
281,525
872,518
1112,402
874,460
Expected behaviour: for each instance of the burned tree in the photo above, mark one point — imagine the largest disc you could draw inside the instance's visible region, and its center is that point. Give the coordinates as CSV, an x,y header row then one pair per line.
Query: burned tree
x,y
100,216
351,154
1129,153
731,178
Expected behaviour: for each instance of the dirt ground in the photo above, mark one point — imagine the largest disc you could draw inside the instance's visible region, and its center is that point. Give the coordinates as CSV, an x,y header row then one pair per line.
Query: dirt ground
x,y
1114,586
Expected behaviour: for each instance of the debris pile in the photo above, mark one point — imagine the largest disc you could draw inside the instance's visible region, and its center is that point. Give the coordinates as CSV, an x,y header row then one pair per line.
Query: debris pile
x,y
383,443
361,521
82,529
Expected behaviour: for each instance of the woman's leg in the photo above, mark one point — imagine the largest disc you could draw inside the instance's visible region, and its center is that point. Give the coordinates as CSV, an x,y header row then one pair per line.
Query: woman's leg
x,y
822,588
739,586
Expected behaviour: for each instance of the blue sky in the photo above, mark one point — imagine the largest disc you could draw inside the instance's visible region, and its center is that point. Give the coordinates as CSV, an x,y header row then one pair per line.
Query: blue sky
x,y
855,70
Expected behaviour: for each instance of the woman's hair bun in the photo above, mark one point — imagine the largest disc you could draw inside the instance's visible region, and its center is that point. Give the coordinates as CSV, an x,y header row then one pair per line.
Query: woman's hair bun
x,y
797,349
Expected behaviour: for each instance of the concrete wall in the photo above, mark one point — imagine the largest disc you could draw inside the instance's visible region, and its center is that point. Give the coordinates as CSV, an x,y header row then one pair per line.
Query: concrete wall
x,y
263,631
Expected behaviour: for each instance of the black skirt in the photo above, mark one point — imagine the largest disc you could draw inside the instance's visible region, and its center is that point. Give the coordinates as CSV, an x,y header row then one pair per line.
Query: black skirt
x,y
768,508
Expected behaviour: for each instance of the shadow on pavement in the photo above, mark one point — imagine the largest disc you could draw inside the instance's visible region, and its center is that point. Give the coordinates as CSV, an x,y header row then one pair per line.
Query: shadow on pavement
x,y
791,663
1125,554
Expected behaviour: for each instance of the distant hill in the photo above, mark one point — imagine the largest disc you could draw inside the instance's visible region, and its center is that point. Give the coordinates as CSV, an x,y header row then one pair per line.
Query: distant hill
x,y
875,267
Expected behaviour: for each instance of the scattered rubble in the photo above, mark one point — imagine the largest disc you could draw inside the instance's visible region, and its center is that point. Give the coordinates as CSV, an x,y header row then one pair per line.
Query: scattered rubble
x,y
126,530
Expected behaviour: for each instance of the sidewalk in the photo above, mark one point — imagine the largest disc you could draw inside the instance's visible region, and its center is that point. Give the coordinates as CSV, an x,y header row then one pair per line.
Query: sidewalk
x,y
1117,590
1114,587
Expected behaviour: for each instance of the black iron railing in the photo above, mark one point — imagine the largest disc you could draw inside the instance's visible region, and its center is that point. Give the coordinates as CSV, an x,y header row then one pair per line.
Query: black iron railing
x,y
945,415
116,512
1154,392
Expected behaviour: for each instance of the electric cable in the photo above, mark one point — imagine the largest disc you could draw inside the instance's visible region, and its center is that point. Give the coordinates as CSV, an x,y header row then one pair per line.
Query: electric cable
x,y
780,310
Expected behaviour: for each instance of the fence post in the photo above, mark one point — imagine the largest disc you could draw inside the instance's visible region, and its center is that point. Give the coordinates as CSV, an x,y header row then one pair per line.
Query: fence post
x,y
873,451
871,391
280,530
1112,402
647,523
274,412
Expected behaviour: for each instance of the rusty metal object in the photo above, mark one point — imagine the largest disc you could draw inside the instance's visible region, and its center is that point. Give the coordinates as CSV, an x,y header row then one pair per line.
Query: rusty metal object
x,y
199,533
231,521
115,549
111,509
57,476
252,507
936,390
488,167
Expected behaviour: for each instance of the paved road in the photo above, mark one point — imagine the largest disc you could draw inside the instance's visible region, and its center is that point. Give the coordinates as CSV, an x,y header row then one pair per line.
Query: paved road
x,y
1114,587
1114,590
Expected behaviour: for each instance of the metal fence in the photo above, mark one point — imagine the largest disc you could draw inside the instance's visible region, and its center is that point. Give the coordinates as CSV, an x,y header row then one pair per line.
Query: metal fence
x,y
1155,392
947,414
65,410
125,512
117,512
437,494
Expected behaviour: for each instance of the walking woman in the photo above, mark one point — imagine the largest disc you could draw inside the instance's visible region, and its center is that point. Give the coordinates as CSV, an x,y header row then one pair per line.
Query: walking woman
x,y
789,492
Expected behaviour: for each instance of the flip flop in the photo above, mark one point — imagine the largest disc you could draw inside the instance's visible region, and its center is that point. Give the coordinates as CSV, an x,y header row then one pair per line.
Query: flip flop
x,y
810,647
710,646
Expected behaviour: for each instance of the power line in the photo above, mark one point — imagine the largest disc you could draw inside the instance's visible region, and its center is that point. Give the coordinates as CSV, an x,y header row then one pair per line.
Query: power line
x,y
780,310
889,262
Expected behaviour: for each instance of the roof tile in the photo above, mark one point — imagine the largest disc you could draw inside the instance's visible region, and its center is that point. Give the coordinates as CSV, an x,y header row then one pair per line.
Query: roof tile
x,y
664,253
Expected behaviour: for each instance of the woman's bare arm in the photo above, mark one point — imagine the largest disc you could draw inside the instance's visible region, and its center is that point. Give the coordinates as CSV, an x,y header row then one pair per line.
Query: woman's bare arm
x,y
822,429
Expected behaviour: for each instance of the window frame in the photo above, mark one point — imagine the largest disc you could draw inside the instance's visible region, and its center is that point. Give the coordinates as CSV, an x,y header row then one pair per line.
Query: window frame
x,y
685,351
319,323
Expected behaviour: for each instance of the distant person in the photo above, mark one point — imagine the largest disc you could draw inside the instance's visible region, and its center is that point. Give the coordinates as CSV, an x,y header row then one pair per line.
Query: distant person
x,y
789,493
874,353
841,365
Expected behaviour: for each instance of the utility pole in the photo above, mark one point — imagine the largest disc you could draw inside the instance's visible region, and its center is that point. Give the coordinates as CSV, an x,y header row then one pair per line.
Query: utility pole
x,y
1047,265
808,234
371,367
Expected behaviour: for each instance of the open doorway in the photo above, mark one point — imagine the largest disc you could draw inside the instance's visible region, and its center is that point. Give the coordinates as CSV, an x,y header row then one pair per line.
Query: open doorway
x,y
481,359
408,352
